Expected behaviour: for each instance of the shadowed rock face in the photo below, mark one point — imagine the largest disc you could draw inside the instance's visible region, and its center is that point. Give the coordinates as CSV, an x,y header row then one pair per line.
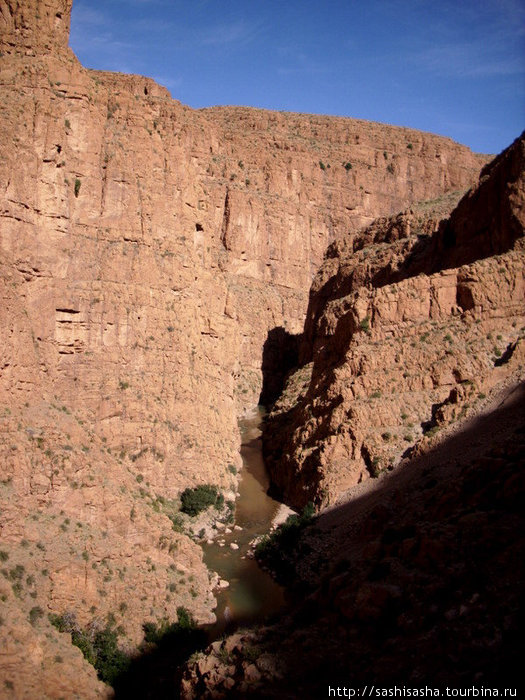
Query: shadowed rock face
x,y
406,325
416,583
147,251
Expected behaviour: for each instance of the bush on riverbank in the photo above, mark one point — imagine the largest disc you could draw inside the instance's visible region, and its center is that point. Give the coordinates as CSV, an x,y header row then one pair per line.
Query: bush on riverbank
x,y
278,550
195,500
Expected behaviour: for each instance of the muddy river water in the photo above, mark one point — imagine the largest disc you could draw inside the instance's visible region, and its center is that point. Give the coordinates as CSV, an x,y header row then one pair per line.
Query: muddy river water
x,y
252,594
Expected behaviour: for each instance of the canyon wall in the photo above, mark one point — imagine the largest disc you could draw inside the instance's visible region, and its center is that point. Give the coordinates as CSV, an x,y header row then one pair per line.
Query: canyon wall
x,y
147,251
412,369
410,323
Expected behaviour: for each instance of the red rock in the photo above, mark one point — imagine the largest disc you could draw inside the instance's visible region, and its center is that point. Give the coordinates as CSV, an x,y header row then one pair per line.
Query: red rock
x,y
404,330
142,268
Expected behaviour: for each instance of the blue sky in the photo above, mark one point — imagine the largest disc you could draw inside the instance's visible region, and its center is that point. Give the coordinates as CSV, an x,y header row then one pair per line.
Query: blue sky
x,y
452,67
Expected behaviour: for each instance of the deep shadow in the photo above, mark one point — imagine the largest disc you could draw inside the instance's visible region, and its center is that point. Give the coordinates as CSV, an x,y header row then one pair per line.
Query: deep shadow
x,y
157,671
421,580
280,355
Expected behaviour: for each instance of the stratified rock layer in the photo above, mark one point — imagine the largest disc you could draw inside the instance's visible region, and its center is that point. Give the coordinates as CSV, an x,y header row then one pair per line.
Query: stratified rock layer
x,y
409,323
147,250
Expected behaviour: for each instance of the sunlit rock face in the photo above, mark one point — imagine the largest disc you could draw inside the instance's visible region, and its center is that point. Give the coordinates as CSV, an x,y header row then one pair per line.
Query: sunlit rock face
x,y
147,251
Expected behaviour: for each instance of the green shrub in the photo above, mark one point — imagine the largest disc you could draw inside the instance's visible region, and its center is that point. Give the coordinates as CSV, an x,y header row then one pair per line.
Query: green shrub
x,y
375,468
164,630
17,573
176,640
177,522
278,550
99,646
195,500
364,324
77,187
35,614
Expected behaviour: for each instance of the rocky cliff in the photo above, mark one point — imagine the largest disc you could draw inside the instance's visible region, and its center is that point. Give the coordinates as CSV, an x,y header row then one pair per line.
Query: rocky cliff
x,y
410,322
412,358
147,251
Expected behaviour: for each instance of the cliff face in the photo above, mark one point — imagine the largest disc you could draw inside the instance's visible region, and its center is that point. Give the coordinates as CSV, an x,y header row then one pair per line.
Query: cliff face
x,y
409,324
36,27
414,325
147,250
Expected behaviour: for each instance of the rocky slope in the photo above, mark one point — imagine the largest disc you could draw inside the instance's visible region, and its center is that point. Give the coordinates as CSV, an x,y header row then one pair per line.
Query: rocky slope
x,y
147,252
410,322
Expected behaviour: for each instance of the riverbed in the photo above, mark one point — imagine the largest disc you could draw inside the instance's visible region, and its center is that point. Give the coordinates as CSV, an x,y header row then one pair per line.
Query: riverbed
x,y
252,594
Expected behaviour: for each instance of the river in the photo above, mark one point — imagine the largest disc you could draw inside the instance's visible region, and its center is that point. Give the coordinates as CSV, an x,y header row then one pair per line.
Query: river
x,y
252,594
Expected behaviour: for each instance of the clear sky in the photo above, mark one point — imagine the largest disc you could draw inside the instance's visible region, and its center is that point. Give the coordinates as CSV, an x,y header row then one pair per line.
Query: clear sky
x,y
452,67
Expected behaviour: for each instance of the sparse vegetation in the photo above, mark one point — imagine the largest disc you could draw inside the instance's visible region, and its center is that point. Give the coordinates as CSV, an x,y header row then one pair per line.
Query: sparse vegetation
x,y
35,614
375,468
364,324
181,631
78,184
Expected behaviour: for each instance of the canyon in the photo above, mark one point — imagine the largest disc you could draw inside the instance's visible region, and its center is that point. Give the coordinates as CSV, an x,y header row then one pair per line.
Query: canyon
x,y
405,422
156,271
410,323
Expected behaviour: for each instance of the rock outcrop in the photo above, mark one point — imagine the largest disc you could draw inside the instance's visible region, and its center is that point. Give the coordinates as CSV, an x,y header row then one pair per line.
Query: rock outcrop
x,y
410,322
147,250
